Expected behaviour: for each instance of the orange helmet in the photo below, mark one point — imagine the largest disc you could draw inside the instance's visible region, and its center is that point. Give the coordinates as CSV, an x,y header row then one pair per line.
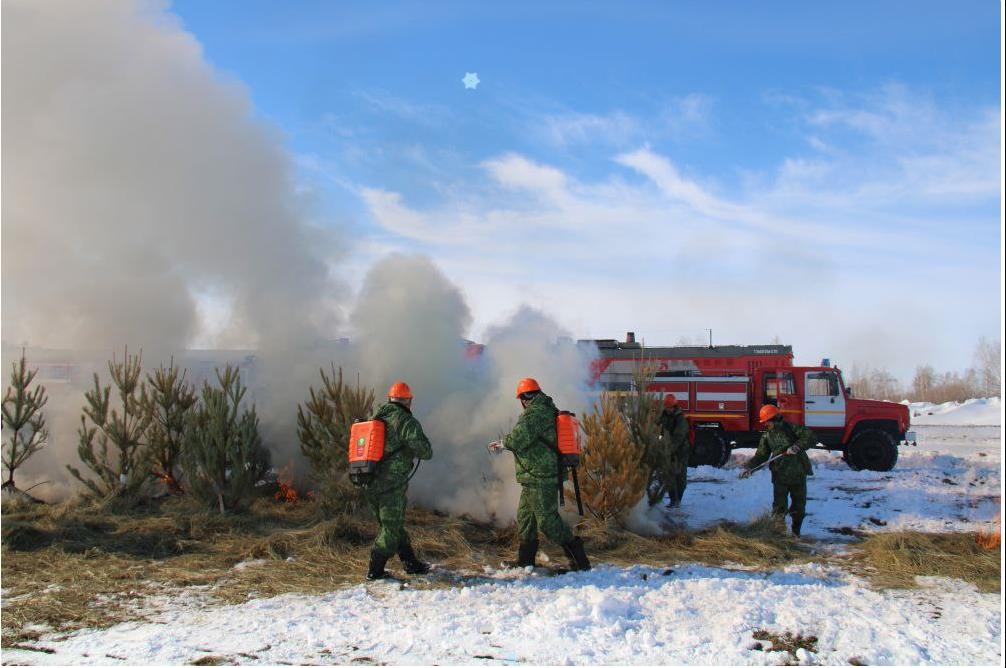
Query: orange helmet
x,y
400,390
670,401
767,412
527,385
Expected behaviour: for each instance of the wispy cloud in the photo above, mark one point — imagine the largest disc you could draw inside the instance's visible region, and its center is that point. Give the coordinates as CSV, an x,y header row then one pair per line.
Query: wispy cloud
x,y
849,220
689,113
616,127
685,116
905,145
409,110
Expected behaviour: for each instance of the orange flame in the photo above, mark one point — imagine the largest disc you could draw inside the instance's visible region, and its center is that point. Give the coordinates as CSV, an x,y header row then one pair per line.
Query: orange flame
x,y
990,539
286,493
169,480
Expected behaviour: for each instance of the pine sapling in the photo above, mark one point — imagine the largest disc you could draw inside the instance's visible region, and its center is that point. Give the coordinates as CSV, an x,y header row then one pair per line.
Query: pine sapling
x,y
612,480
23,420
168,405
223,459
641,410
113,445
323,425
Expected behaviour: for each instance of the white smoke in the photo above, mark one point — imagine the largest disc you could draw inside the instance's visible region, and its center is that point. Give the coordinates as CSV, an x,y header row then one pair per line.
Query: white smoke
x,y
410,322
135,177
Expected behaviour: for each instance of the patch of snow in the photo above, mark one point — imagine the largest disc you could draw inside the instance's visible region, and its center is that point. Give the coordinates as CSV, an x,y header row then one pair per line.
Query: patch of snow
x,y
977,412
251,563
951,481
610,615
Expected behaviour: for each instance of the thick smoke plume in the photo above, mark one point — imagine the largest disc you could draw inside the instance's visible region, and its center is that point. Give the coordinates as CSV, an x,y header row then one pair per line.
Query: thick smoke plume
x,y
136,178
410,321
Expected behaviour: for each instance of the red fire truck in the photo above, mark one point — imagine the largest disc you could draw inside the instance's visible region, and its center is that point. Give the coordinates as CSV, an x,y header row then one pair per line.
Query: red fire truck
x,y
722,388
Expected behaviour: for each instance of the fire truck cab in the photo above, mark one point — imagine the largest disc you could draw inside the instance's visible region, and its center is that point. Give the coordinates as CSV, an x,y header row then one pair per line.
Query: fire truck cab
x,y
722,389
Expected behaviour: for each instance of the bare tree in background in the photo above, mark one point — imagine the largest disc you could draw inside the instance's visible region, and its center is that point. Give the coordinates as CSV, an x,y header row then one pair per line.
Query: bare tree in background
x,y
922,384
988,363
870,383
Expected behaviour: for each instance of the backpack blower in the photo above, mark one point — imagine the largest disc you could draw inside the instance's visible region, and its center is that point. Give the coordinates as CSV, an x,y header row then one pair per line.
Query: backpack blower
x,y
567,431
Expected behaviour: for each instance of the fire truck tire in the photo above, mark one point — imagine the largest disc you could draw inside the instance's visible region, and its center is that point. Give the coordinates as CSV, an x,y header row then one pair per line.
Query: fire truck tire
x,y
847,458
710,449
874,450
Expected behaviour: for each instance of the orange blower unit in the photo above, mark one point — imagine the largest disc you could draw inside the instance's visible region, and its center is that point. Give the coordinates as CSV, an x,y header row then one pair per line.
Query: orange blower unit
x,y
366,446
567,431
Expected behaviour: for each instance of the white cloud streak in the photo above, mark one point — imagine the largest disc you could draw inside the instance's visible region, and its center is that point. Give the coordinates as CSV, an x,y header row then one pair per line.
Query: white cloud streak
x,y
847,224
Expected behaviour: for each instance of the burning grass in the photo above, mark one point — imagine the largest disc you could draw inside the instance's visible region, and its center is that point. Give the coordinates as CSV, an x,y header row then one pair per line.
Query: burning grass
x,y
896,559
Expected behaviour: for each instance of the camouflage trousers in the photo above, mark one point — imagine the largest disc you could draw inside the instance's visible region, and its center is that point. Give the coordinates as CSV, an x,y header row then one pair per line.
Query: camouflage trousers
x,y
669,479
389,509
678,473
539,510
795,494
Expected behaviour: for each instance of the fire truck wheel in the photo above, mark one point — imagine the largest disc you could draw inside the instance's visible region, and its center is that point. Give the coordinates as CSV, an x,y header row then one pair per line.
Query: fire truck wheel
x,y
710,449
847,458
874,450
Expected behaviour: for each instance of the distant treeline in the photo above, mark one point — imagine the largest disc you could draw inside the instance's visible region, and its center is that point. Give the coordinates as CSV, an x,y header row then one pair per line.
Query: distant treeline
x,y
983,379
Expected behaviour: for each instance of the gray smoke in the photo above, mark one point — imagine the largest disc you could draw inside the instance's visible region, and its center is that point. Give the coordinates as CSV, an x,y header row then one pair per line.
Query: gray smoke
x,y
410,321
136,177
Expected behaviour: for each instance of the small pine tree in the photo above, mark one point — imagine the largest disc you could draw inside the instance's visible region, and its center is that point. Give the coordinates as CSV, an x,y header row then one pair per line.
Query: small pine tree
x,y
23,419
168,405
323,426
124,471
612,480
641,410
222,455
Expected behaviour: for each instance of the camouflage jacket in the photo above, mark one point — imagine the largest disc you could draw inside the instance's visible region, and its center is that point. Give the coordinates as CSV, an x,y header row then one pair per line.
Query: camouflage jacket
x,y
533,442
788,469
404,441
674,434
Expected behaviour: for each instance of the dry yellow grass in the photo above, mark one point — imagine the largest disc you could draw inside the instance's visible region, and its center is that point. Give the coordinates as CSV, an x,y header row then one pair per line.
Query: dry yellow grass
x,y
896,559
76,565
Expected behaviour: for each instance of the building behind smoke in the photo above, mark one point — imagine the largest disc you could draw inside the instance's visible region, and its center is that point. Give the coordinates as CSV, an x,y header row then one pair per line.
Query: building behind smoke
x,y
75,369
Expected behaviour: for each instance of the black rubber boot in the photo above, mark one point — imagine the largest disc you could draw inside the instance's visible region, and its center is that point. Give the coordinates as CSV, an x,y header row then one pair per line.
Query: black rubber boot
x,y
412,563
577,556
526,553
376,569
797,525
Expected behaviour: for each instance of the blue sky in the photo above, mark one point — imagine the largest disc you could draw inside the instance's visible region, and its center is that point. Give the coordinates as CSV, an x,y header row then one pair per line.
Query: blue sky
x,y
824,173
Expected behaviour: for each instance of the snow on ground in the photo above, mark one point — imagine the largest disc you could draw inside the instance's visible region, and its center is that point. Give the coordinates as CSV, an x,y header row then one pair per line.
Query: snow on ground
x,y
610,615
986,412
951,481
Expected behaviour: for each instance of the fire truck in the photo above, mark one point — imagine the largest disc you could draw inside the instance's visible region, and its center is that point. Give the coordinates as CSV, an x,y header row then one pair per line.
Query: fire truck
x,y
721,389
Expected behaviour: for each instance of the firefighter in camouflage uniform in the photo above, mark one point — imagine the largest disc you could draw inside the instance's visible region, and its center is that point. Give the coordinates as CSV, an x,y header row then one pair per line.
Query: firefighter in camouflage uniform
x,y
404,441
786,444
533,442
674,436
